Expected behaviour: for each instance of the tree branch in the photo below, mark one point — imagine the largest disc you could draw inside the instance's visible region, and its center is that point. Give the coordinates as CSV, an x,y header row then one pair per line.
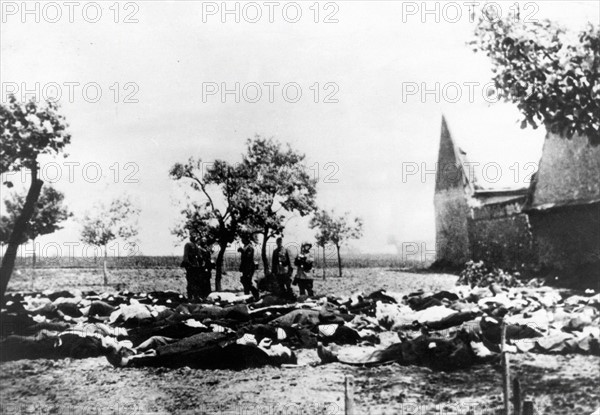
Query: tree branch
x,y
203,187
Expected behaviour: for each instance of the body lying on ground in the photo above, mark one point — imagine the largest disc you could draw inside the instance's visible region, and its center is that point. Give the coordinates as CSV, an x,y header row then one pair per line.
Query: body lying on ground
x,y
445,330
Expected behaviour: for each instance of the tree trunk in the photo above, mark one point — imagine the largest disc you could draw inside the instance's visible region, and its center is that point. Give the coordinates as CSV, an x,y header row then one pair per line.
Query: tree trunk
x,y
219,271
105,272
8,261
324,262
339,259
33,258
33,267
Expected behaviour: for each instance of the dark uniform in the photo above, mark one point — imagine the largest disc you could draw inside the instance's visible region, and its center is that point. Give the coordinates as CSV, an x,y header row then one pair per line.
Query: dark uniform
x,y
304,274
281,267
247,269
205,272
191,263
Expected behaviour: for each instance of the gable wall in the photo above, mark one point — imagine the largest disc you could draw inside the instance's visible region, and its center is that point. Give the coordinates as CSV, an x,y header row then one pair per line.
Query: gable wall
x,y
450,202
569,170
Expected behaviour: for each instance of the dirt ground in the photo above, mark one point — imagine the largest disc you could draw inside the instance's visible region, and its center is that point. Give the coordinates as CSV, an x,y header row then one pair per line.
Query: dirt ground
x,y
557,384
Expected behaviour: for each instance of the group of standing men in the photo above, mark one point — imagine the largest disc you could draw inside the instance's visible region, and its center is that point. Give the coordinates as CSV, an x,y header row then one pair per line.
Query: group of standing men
x,y
281,267
197,263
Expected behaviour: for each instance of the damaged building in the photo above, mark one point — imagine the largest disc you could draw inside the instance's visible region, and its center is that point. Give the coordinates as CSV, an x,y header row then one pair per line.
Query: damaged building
x,y
523,201
564,205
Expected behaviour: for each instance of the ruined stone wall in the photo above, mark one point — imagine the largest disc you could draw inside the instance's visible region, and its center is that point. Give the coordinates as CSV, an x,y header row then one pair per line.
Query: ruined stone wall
x,y
565,212
452,239
501,236
568,237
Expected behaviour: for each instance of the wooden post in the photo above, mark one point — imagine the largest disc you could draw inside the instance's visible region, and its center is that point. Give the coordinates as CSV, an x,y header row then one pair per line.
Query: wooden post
x,y
349,395
505,370
517,396
528,408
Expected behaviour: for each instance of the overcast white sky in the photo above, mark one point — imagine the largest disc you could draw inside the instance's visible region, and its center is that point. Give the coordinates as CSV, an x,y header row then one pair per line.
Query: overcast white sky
x,y
374,51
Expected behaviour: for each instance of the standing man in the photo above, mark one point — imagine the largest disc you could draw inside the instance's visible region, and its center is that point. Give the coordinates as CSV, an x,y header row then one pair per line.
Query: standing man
x,y
205,268
304,273
247,267
191,263
281,267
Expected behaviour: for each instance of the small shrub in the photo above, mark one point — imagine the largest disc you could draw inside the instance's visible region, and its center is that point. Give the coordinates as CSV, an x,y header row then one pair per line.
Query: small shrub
x,y
477,274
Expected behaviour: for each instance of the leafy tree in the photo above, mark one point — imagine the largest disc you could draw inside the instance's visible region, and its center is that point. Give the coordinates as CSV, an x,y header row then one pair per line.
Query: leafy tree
x,y
224,200
27,130
336,229
108,223
48,213
280,184
552,76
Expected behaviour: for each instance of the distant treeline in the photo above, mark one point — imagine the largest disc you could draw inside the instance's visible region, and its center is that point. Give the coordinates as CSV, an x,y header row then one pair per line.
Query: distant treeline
x,y
231,262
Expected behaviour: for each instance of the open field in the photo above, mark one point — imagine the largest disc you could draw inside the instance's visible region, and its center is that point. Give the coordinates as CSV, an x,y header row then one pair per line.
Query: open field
x,y
160,279
557,384
231,261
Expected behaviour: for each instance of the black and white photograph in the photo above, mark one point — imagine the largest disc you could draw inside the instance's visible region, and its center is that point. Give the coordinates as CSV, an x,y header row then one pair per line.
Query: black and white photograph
x,y
306,207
